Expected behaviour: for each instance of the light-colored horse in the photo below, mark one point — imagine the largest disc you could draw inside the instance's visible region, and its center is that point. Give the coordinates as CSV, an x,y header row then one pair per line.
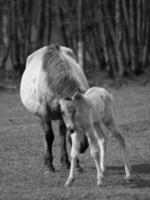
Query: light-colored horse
x,y
92,114
52,73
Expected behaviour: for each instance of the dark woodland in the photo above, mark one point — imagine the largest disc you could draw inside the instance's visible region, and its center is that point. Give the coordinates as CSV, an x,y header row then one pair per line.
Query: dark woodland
x,y
109,36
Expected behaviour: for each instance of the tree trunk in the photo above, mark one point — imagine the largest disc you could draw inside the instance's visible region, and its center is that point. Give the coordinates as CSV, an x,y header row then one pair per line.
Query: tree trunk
x,y
103,36
119,39
5,38
80,42
132,35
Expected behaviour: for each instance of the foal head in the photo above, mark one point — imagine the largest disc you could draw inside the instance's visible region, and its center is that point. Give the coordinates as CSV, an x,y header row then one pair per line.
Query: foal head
x,y
68,110
75,111
71,109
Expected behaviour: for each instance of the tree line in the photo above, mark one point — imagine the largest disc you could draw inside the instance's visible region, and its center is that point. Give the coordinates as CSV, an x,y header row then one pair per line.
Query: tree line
x,y
107,35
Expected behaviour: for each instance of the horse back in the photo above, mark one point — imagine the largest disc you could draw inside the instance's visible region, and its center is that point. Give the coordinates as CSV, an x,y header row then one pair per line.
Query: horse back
x,y
100,101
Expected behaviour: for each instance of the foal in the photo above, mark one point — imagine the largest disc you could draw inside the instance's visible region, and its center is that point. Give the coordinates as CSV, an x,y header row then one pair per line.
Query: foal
x,y
91,114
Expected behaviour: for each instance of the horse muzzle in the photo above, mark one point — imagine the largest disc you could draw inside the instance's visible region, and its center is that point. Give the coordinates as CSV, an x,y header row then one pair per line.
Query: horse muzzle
x,y
71,130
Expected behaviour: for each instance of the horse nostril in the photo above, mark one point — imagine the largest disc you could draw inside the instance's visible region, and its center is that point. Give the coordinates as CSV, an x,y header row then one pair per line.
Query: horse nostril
x,y
71,130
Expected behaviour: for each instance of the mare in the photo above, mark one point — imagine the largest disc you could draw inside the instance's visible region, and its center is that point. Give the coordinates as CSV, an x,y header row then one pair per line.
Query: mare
x,y
91,114
51,73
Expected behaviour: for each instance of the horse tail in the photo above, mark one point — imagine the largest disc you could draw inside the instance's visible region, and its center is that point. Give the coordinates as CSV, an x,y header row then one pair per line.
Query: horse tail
x,y
109,97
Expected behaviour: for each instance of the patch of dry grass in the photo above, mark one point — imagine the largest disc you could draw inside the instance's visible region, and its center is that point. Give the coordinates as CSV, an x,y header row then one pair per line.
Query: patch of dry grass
x,y
22,174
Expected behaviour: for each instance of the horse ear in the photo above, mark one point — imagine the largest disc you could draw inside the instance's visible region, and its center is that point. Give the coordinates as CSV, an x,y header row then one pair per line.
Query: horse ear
x,y
77,95
57,47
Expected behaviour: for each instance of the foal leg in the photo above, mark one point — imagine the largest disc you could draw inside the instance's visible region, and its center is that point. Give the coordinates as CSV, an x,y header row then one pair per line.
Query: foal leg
x,y
74,154
100,135
79,169
112,127
95,155
49,138
63,146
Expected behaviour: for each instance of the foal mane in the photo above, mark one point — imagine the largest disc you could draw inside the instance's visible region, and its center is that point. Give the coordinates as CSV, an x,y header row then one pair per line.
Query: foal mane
x,y
61,76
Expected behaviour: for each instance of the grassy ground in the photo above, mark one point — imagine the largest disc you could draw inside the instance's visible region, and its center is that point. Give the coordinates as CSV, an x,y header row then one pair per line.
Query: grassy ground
x,y
22,173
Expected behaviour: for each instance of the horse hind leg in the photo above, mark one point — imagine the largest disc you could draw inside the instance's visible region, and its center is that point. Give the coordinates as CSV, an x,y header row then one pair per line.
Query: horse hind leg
x,y
100,135
94,151
49,138
115,132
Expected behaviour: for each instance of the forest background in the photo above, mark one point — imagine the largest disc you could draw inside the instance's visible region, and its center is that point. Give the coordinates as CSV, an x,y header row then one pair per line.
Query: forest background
x,y
107,36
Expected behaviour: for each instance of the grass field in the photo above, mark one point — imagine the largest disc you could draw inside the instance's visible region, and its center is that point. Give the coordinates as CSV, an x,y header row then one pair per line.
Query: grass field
x,y
22,172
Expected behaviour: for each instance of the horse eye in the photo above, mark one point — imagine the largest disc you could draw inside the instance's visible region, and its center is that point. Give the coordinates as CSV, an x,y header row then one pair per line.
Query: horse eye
x,y
74,112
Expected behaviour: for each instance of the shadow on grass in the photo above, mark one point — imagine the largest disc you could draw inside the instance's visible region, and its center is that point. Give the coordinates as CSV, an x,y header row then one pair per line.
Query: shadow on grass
x,y
137,171
141,168
141,183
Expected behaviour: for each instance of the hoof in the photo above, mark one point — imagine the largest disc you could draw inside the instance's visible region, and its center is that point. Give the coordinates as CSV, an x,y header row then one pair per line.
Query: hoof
x,y
50,167
65,165
79,170
99,182
69,182
103,169
68,165
128,172
48,171
128,177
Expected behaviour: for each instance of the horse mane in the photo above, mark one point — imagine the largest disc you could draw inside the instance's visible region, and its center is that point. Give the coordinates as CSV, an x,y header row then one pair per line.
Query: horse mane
x,y
60,74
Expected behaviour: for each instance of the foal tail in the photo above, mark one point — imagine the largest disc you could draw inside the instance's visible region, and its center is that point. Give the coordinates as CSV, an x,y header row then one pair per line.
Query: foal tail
x,y
109,113
108,99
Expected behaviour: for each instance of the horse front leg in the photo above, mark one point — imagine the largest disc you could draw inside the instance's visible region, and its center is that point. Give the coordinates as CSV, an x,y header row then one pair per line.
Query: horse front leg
x,y
73,155
49,138
63,146
79,169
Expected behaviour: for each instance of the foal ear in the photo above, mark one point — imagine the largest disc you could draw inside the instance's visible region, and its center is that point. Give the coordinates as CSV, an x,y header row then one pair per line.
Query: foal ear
x,y
77,95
